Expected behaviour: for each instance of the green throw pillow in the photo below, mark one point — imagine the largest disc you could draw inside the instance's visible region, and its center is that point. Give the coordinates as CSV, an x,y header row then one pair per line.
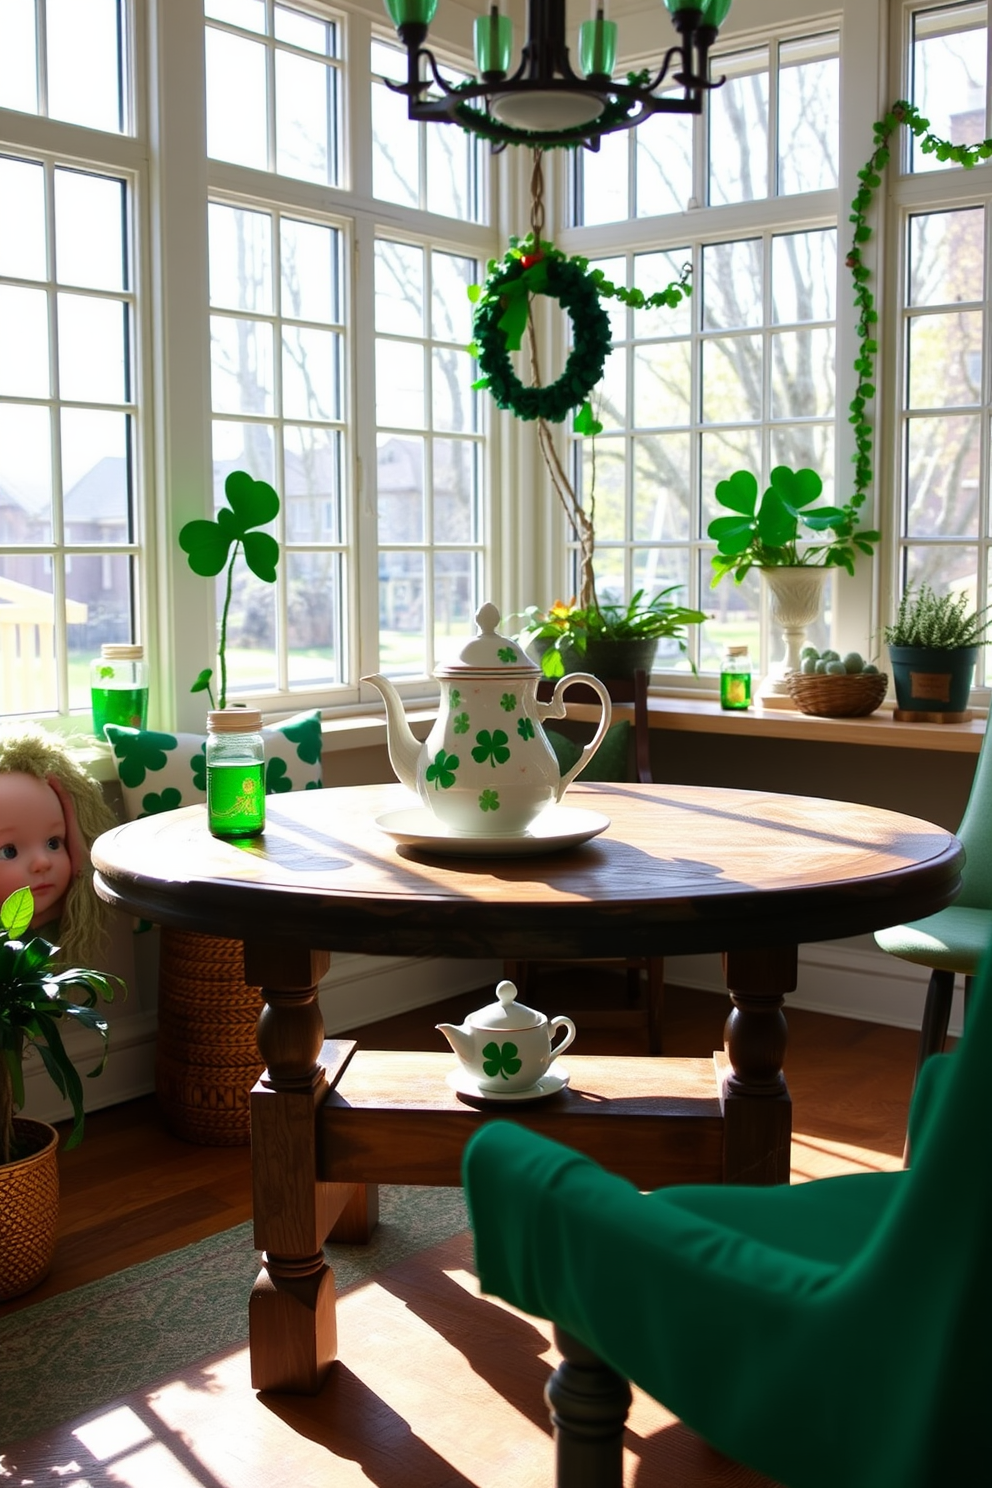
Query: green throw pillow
x,y
608,763
159,771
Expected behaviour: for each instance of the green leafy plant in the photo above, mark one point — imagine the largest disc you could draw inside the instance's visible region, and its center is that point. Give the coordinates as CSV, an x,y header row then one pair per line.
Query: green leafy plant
x,y
209,545
572,627
34,1005
767,533
943,622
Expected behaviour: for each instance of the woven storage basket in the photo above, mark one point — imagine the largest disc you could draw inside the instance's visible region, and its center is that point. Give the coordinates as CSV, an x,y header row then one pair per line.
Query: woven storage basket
x,y
29,1210
207,1057
854,695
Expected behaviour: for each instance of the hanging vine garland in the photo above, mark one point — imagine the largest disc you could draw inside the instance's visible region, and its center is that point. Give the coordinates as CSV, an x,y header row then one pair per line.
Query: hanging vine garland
x,y
534,266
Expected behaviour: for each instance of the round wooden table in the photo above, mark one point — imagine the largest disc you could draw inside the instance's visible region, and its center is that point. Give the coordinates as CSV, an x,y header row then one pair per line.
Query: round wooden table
x,y
679,870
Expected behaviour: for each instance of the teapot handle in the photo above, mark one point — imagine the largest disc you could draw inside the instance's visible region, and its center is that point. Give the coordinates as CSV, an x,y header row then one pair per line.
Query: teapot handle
x,y
556,709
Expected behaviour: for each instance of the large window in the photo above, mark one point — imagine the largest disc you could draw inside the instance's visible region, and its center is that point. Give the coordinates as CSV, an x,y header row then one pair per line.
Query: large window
x,y
71,570
257,315
945,399
742,374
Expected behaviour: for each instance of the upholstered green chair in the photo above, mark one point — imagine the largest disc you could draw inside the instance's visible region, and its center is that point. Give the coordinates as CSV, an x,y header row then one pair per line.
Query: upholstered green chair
x,y
827,1334
951,941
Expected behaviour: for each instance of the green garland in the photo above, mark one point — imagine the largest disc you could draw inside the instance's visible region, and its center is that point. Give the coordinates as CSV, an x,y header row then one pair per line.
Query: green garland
x,y
499,322
870,177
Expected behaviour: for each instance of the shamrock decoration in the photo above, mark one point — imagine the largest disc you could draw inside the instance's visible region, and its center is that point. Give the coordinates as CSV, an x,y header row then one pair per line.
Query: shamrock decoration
x,y
501,1059
491,747
209,545
508,702
441,773
489,800
461,723
525,728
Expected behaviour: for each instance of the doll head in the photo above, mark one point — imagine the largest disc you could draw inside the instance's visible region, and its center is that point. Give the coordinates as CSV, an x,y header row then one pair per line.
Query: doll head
x,y
34,851
46,796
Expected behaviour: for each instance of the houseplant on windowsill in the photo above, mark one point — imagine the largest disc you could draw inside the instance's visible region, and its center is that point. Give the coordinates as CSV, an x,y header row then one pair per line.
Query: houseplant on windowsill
x,y
767,534
933,645
36,1002
609,639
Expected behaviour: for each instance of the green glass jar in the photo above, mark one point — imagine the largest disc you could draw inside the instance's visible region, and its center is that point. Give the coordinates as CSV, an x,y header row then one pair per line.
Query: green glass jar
x,y
235,773
735,679
119,688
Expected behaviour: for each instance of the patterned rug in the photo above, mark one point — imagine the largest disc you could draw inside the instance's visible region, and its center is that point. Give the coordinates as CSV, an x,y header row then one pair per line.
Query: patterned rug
x,y
87,1347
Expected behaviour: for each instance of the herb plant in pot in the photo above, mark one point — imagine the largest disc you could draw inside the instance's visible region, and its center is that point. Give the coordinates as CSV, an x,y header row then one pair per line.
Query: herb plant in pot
x,y
38,997
933,646
767,533
610,639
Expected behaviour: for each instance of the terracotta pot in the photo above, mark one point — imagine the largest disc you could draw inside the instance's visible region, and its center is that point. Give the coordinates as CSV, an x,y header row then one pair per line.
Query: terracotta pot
x,y
29,1209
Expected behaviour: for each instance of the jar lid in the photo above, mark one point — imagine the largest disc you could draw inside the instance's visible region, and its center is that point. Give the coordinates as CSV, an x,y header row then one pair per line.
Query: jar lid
x,y
736,650
234,721
506,1012
121,653
489,651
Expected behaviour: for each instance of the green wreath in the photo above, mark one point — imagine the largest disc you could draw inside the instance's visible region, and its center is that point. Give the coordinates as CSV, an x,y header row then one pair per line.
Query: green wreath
x,y
499,323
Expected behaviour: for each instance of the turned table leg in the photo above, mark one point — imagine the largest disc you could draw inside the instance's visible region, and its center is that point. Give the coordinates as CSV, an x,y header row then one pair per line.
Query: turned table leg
x,y
757,1104
588,1402
292,1329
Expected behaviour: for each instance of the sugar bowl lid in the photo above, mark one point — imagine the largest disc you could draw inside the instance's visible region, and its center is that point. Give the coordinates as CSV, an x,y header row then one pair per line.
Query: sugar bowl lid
x,y
489,651
506,1012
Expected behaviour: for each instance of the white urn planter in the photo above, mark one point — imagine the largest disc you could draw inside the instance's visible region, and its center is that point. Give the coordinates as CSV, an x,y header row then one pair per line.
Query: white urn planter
x,y
796,599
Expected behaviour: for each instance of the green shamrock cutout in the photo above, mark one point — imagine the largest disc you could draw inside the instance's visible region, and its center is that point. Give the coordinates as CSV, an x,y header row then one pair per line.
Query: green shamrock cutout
x,y
525,728
105,672
489,800
153,803
506,653
461,723
276,777
306,737
441,774
455,697
141,752
500,1059
508,702
491,747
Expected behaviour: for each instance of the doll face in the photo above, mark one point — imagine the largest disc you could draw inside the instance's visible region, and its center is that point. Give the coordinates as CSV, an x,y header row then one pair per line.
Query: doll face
x,y
33,852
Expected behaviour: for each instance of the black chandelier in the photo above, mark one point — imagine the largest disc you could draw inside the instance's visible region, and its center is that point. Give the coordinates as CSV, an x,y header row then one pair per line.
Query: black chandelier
x,y
546,103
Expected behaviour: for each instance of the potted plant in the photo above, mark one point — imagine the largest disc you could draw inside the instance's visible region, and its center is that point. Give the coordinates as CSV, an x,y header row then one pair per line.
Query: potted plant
x,y
607,638
38,997
767,533
933,645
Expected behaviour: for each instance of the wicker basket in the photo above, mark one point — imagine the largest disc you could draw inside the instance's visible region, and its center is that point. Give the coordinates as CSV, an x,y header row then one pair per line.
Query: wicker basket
x,y
207,1057
853,695
29,1210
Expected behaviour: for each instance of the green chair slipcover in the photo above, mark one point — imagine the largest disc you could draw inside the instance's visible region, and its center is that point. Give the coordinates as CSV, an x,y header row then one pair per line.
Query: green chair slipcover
x,y
828,1334
951,941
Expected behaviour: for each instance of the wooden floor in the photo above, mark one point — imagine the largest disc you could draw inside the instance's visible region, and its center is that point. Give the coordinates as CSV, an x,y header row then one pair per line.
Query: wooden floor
x,y
464,1408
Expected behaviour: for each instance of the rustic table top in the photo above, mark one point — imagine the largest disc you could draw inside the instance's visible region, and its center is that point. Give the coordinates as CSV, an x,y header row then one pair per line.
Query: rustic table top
x,y
680,869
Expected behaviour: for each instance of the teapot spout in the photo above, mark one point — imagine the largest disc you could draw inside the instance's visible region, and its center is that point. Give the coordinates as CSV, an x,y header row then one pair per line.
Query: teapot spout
x,y
460,1041
404,748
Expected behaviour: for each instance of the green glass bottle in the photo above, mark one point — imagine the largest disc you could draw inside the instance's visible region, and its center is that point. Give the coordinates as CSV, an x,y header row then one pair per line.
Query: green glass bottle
x,y
235,773
735,678
119,688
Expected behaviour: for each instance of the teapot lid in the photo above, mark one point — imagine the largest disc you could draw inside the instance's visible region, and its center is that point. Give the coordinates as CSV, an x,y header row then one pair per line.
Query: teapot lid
x,y
506,1012
489,651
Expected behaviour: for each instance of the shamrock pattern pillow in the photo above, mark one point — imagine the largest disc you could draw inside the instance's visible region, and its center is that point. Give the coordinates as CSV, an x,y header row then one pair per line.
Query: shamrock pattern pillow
x,y
161,772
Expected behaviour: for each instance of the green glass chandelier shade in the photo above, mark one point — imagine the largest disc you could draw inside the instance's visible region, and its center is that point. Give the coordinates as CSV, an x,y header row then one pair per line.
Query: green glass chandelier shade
x,y
715,12
597,47
493,42
404,12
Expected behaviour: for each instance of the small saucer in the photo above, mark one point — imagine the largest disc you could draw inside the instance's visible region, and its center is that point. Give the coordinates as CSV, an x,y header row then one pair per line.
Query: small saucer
x,y
549,1084
557,827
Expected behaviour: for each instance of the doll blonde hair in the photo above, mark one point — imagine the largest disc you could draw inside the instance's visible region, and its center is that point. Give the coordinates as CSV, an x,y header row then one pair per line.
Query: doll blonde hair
x,y
28,750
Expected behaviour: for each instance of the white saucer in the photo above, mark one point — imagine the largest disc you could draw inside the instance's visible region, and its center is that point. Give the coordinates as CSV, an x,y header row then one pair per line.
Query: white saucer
x,y
556,828
549,1084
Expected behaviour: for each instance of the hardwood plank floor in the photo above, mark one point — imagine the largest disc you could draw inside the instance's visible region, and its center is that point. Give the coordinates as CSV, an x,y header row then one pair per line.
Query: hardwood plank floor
x,y
132,1190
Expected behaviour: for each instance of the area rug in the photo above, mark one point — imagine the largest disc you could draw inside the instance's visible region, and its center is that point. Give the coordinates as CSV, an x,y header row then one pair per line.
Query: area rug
x,y
86,1347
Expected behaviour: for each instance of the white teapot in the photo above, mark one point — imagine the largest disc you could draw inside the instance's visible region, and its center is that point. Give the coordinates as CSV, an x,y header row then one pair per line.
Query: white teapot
x,y
486,768
506,1046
